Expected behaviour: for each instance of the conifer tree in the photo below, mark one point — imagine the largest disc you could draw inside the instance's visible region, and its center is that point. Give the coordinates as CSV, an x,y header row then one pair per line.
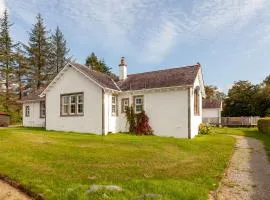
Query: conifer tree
x,y
7,58
38,51
96,64
59,51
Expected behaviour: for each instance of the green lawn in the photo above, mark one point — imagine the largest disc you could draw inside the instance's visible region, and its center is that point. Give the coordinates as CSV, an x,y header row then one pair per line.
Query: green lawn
x,y
63,165
248,132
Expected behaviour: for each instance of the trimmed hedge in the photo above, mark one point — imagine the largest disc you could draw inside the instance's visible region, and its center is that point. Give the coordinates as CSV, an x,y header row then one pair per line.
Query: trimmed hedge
x,y
264,125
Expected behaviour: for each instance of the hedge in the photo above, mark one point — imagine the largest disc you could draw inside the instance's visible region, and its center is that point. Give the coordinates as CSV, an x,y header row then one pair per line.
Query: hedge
x,y
264,125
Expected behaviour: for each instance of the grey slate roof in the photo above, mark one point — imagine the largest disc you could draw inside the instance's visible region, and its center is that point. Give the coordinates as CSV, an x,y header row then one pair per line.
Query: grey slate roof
x,y
102,79
181,76
211,103
34,96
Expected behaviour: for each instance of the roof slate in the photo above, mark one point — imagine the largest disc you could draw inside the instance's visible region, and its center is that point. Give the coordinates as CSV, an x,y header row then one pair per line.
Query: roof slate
x,y
211,103
181,76
34,96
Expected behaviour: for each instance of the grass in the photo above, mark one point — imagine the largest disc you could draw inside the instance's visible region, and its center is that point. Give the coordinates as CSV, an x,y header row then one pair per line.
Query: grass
x,y
64,165
248,132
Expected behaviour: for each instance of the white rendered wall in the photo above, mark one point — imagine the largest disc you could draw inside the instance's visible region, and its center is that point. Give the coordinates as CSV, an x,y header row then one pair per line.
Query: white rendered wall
x,y
211,112
34,119
73,82
196,120
167,111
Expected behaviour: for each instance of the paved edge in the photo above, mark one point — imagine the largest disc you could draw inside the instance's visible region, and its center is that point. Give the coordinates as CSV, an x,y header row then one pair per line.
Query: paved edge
x,y
20,188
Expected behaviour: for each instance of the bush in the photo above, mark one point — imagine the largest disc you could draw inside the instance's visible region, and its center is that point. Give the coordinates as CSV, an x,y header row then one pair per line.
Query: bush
x,y
143,127
204,129
264,125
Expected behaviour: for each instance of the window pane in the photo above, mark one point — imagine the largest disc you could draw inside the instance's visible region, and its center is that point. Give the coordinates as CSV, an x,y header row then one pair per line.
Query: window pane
x,y
138,101
80,108
65,99
80,98
72,99
138,108
113,99
72,108
65,109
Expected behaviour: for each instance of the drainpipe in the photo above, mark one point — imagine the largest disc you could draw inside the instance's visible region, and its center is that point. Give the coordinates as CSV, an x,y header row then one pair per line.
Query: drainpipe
x,y
189,113
103,113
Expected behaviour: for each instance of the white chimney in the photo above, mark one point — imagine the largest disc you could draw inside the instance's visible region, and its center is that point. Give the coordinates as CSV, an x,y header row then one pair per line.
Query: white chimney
x,y
122,69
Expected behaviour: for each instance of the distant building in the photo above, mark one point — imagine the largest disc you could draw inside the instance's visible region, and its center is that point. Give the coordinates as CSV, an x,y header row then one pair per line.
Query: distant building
x,y
211,111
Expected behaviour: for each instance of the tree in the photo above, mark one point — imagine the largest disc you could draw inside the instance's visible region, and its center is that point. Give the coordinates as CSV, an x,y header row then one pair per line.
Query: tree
x,y
59,51
38,50
212,92
20,70
266,81
7,57
241,100
96,64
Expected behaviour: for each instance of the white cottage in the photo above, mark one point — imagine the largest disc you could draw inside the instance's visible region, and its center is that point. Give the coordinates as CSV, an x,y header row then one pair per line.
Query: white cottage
x,y
82,100
211,111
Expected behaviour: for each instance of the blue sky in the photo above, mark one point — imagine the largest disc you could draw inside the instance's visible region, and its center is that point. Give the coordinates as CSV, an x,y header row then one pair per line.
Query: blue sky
x,y
230,38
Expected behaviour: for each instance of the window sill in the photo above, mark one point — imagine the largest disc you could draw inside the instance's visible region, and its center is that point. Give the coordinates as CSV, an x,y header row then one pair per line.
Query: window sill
x,y
77,115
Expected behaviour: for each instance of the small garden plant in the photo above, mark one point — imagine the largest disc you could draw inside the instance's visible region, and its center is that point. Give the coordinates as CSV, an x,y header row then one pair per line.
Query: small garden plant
x,y
138,123
204,129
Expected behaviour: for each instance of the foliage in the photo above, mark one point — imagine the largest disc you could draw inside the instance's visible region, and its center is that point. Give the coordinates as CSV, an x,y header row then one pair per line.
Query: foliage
x,y
241,100
62,166
266,81
143,127
7,59
264,125
59,51
38,51
205,129
138,123
131,119
212,92
97,64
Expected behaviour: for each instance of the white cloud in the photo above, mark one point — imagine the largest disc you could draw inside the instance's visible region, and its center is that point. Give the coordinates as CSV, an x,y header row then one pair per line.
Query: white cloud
x,y
2,6
148,28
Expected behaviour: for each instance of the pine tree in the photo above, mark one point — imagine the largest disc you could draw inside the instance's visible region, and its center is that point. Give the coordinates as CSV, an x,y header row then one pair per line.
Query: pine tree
x,y
38,51
7,58
59,51
21,70
96,64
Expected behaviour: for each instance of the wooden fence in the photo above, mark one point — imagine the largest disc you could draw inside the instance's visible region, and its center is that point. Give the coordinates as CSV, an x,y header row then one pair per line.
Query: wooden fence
x,y
232,121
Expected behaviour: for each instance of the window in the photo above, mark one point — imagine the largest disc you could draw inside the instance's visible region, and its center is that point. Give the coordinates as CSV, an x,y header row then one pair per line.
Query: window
x,y
138,104
42,109
197,101
114,105
80,104
27,111
72,104
125,104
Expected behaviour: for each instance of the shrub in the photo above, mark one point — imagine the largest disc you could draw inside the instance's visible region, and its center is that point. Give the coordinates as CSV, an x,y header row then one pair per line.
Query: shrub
x,y
131,119
264,125
143,127
204,129
139,123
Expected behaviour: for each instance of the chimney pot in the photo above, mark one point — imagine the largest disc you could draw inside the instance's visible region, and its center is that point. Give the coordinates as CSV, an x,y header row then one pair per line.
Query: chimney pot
x,y
122,69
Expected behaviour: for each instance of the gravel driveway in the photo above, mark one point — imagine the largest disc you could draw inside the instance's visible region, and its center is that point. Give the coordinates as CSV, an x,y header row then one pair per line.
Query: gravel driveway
x,y
248,176
9,193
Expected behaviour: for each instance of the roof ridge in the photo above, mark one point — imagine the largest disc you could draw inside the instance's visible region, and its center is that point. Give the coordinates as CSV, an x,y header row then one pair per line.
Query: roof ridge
x,y
160,70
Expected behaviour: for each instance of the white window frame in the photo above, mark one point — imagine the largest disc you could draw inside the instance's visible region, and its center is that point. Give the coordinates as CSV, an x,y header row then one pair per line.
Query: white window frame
x,y
80,103
138,104
125,104
42,105
114,105
65,105
27,111
71,104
